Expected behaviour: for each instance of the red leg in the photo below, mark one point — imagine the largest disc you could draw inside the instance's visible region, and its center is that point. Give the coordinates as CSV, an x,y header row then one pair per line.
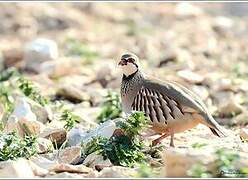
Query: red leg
x,y
172,139
158,140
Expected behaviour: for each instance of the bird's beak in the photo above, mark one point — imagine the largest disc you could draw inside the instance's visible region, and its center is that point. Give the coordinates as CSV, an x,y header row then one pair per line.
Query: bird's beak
x,y
122,62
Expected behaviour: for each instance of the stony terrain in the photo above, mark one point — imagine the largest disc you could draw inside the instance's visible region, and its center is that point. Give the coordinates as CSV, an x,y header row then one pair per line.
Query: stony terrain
x,y
59,88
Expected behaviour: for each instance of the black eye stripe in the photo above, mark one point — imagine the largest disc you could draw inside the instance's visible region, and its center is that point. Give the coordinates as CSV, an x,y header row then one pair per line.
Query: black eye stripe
x,y
130,60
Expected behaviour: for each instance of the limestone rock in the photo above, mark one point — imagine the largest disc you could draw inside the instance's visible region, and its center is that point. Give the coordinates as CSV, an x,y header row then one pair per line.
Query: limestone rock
x,y
60,67
190,76
96,161
16,169
105,129
56,135
24,116
12,124
71,168
70,155
185,9
117,172
230,108
44,145
42,162
37,170
38,51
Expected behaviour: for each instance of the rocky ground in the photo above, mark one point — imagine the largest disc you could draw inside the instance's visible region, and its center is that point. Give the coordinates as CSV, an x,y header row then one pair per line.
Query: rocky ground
x,y
59,88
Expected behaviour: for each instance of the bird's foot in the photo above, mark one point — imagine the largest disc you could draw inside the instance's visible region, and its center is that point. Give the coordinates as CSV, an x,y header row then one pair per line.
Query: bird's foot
x,y
156,142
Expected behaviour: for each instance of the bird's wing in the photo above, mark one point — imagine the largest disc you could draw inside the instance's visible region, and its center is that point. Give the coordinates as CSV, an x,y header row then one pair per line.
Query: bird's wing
x,y
178,93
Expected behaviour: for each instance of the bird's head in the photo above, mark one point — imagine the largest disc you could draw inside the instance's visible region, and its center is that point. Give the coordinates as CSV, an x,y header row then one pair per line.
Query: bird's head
x,y
129,64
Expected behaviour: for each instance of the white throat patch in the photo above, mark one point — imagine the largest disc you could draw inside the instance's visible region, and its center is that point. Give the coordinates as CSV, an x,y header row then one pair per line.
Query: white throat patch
x,y
129,69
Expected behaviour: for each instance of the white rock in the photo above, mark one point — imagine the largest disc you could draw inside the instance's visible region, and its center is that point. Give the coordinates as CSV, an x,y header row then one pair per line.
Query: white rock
x,y
96,161
223,23
38,51
105,129
43,114
16,169
186,9
70,155
25,117
75,136
244,134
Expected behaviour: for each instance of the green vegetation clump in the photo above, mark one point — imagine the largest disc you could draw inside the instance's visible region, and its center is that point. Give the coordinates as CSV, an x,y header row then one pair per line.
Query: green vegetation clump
x,y
8,73
224,167
29,90
70,119
111,108
79,49
13,147
198,145
6,98
125,149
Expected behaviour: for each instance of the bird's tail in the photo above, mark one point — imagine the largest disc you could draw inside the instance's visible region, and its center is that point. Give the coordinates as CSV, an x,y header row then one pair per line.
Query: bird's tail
x,y
214,126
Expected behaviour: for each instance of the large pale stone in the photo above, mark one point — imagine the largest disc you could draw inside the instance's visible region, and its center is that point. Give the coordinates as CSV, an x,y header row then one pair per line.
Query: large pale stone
x,y
16,169
56,135
70,155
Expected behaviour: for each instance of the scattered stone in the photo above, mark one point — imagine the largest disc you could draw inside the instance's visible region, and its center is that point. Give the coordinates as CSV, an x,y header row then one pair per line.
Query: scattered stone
x,y
44,145
179,161
97,161
57,136
58,68
43,114
74,137
241,119
105,74
24,116
105,129
185,9
72,93
13,57
12,124
71,168
37,170
117,172
38,51
70,155
16,169
244,134
231,108
222,24
43,162
190,76
65,175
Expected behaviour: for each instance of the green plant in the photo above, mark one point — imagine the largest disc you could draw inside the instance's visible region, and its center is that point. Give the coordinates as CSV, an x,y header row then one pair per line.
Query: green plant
x,y
111,108
125,149
146,171
70,119
198,171
13,147
199,145
225,163
8,73
79,49
29,90
6,98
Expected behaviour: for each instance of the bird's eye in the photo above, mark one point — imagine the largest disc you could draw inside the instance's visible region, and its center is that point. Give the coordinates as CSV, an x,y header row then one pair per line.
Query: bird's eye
x,y
130,60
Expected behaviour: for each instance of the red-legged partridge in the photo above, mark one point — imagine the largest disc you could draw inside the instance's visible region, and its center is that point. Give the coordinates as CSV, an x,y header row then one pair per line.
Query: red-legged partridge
x,y
170,107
